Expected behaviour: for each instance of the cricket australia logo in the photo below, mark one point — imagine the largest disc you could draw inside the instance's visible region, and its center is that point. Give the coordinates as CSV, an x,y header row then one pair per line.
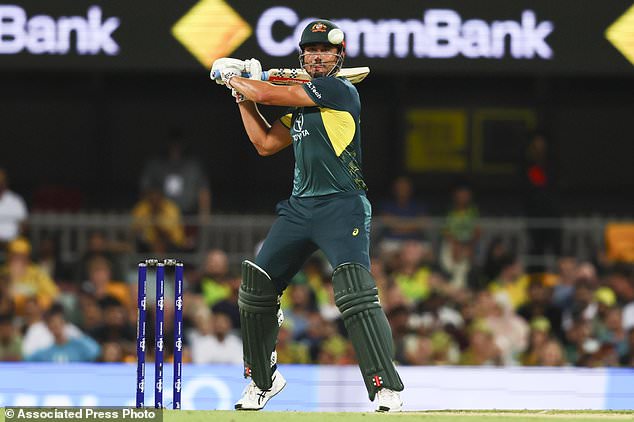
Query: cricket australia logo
x,y
179,344
298,128
159,304
142,345
177,386
159,345
141,386
179,303
159,385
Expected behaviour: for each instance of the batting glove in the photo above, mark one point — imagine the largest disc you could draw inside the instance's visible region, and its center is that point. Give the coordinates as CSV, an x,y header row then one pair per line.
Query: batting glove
x,y
220,64
228,72
254,68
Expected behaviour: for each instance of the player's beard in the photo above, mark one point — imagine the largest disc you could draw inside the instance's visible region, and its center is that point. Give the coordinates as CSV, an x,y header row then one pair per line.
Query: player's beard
x,y
332,61
327,68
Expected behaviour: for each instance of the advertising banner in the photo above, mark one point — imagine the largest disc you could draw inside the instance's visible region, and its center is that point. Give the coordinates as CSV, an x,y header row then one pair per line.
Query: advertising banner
x,y
323,388
456,36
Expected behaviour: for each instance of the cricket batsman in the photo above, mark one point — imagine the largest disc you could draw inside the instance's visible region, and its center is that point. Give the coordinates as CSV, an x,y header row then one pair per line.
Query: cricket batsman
x,y
327,210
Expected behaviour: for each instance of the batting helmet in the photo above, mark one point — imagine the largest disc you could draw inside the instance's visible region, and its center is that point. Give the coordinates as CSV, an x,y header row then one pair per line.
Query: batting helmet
x,y
323,31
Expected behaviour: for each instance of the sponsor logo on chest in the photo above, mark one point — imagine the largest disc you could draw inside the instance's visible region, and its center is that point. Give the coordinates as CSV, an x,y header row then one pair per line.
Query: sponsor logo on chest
x,y
298,128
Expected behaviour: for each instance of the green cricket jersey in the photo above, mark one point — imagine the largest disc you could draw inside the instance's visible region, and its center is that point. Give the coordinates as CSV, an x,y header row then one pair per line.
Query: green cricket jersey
x,y
327,139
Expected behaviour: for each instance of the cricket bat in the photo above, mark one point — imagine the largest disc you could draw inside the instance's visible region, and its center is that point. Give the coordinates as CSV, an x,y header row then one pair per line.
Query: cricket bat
x,y
300,76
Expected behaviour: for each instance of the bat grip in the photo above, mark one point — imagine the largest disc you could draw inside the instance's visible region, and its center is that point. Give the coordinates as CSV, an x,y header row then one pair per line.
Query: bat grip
x,y
216,75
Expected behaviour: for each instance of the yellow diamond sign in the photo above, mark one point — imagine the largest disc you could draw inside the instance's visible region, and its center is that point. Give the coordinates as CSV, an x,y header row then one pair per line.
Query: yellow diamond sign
x,y
621,34
211,29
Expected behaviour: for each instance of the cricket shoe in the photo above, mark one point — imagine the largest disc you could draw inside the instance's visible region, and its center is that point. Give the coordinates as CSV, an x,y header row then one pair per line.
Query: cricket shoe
x,y
254,398
389,401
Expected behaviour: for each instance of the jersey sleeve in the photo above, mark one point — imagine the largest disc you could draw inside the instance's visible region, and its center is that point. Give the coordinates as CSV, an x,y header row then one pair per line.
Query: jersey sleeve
x,y
329,92
287,118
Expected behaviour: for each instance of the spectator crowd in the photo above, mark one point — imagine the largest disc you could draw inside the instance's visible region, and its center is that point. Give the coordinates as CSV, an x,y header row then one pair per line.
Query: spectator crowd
x,y
445,306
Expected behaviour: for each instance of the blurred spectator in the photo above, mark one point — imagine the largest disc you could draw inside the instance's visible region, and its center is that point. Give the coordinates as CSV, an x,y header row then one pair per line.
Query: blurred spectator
x,y
212,340
418,350
410,276
314,336
91,315
564,290
25,278
541,198
628,359
10,340
157,223
6,301
551,354
621,280
229,305
289,350
99,245
181,179
579,341
65,349
316,273
115,327
511,283
13,211
38,336
609,330
539,304
101,285
436,314
402,217
493,261
461,234
482,349
334,348
399,317
48,259
584,305
299,308
213,283
113,352
538,337
327,307
510,332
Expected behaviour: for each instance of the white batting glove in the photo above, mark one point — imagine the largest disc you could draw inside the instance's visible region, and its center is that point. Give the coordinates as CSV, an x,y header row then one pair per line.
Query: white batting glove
x,y
228,72
254,67
221,63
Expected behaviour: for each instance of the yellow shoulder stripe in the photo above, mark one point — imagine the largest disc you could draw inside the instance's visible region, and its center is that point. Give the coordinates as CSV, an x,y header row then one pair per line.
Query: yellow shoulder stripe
x,y
340,128
286,120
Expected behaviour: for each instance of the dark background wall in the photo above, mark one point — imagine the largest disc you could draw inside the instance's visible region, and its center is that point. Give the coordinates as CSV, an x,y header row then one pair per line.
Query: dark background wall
x,y
93,131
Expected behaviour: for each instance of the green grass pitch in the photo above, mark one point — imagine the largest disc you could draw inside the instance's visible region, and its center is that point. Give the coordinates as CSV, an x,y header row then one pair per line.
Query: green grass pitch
x,y
425,416
435,416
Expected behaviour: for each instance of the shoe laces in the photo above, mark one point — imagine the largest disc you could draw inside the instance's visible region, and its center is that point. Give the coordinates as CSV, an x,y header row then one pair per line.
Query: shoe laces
x,y
253,392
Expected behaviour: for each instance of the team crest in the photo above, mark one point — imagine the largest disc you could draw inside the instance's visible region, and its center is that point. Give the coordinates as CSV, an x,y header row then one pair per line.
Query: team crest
x,y
319,27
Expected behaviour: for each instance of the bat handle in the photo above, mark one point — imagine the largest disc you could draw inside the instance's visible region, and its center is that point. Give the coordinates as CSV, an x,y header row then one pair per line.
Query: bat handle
x,y
216,75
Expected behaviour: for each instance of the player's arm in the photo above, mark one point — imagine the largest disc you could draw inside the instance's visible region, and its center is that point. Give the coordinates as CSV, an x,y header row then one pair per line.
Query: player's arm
x,y
267,139
277,95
